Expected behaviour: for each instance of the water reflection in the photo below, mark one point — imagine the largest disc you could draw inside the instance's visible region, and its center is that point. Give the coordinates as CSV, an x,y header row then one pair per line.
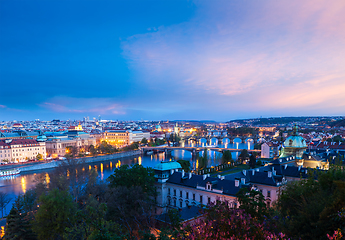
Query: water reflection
x,y
19,184
23,183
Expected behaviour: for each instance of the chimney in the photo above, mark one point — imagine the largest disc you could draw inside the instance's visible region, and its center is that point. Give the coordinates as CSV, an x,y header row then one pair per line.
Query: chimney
x,y
285,166
243,180
190,175
253,172
237,183
269,174
204,176
244,172
182,173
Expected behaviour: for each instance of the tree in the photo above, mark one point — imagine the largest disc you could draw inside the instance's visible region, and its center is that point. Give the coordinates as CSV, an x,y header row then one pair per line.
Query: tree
x,y
144,141
91,224
308,208
92,150
252,161
203,160
39,157
185,164
244,155
56,212
135,175
227,157
4,200
252,202
222,222
17,227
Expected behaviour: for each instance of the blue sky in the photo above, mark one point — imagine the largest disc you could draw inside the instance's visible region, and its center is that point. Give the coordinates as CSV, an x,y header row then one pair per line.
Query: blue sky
x,y
133,60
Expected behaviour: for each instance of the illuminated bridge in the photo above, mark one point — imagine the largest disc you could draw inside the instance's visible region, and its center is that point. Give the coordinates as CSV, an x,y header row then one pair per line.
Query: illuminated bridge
x,y
193,150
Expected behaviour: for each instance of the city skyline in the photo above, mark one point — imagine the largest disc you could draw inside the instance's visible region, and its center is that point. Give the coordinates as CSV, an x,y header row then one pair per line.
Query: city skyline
x,y
153,60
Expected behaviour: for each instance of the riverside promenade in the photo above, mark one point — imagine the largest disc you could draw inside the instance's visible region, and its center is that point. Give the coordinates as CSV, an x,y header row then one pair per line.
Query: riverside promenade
x,y
55,163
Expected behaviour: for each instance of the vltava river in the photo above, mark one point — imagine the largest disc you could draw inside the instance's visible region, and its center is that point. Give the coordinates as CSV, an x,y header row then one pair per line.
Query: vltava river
x,y
19,184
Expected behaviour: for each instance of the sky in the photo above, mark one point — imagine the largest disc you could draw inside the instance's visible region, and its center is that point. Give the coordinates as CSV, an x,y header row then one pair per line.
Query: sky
x,y
171,60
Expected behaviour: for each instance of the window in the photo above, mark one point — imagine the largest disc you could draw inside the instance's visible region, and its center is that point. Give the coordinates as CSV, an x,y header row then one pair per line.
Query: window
x,y
268,193
174,192
174,202
209,200
180,193
169,191
180,204
194,196
200,199
187,195
169,201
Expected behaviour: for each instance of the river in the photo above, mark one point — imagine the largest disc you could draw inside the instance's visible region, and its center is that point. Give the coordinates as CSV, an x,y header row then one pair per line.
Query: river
x,y
19,184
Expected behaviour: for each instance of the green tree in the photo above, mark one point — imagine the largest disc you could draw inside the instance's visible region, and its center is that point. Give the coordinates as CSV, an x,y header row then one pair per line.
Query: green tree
x,y
144,141
252,161
243,155
135,175
39,157
92,150
91,224
203,160
227,157
185,164
17,227
252,202
307,208
56,212
4,200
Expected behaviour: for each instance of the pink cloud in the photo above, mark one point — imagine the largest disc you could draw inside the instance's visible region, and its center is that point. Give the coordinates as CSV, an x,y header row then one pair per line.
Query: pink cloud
x,y
281,54
2,106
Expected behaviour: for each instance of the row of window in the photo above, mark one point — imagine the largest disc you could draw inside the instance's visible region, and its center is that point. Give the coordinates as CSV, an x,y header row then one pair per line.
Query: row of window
x,y
187,196
31,149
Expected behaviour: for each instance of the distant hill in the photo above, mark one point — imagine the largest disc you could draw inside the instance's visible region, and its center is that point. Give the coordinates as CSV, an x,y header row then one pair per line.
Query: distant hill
x,y
339,123
285,120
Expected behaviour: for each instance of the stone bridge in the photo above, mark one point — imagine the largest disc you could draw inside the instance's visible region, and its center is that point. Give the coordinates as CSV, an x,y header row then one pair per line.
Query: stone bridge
x,y
244,138
194,150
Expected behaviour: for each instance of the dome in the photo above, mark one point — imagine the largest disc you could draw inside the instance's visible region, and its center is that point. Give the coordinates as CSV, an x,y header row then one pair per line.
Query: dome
x,y
294,145
167,165
295,142
41,138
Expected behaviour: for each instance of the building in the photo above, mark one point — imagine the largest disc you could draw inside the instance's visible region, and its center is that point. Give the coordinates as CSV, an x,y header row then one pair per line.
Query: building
x,y
122,138
270,150
118,138
177,189
57,143
294,145
21,150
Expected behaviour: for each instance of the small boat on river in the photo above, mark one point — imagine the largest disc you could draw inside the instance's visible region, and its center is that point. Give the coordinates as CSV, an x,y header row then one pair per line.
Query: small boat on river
x,y
9,172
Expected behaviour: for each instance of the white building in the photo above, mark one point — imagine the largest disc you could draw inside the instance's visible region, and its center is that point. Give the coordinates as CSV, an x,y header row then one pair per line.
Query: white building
x,y
21,150
269,150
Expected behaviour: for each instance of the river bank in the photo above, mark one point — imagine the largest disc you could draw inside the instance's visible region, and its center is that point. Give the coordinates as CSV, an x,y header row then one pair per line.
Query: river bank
x,y
53,164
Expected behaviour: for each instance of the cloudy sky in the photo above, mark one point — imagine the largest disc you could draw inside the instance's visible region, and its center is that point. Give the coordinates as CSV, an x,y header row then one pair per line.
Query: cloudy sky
x,y
174,59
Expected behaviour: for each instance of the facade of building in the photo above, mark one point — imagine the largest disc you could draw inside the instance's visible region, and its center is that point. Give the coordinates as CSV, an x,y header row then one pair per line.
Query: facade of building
x,y
121,138
269,150
57,143
21,150
117,137
177,189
